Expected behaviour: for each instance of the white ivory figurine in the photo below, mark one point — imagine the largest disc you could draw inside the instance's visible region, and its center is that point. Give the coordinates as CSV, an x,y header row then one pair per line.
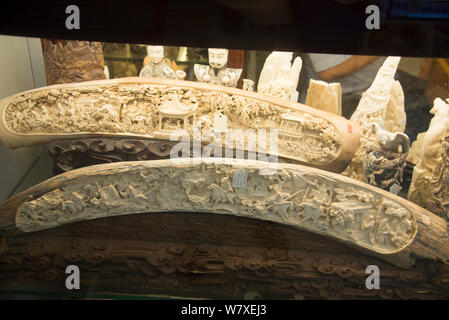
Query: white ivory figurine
x,y
217,72
420,188
157,68
279,77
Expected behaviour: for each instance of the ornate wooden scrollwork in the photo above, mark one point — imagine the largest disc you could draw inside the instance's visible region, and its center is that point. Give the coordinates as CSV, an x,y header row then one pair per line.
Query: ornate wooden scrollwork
x,y
186,254
77,153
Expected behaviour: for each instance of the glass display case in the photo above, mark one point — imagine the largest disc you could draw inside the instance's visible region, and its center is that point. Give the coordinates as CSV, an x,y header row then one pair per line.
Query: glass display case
x,y
163,170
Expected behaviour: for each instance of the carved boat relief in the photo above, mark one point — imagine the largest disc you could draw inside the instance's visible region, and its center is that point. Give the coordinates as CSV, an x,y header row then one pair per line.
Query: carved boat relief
x,y
140,108
298,196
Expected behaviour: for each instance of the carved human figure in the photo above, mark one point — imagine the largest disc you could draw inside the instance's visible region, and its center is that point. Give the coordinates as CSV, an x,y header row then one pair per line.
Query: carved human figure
x,y
248,85
439,198
217,72
279,77
157,68
420,188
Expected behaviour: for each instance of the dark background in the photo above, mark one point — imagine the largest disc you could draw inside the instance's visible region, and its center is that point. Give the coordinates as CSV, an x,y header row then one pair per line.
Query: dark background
x,y
407,28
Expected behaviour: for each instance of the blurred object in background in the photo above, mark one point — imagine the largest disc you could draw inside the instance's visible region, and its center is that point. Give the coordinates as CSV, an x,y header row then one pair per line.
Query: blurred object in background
x,y
69,61
436,72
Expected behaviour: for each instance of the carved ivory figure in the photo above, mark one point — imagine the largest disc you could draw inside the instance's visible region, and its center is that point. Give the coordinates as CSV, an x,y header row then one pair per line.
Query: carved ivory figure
x,y
439,198
157,68
415,151
132,107
421,188
324,96
385,163
279,77
248,85
382,103
217,72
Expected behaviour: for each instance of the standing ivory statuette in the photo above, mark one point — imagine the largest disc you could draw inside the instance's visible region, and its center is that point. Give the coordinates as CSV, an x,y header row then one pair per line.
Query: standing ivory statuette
x,y
156,67
432,154
279,77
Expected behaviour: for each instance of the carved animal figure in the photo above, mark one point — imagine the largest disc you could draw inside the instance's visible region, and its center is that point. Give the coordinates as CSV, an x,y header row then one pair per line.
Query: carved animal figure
x,y
385,163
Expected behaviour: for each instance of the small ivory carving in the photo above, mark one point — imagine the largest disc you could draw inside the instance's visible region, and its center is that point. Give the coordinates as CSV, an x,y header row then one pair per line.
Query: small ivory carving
x,y
135,106
106,72
324,96
385,163
421,187
217,72
279,77
382,103
415,151
157,67
248,85
299,196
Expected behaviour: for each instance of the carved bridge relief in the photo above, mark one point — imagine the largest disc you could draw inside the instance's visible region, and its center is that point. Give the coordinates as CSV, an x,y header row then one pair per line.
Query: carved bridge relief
x,y
292,196
133,108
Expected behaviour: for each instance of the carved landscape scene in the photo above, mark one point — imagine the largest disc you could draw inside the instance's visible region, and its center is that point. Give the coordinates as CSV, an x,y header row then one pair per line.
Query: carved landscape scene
x,y
136,109
293,195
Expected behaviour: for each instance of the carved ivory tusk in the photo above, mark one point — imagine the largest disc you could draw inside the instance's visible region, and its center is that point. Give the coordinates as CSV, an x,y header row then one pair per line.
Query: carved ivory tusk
x,y
151,109
317,201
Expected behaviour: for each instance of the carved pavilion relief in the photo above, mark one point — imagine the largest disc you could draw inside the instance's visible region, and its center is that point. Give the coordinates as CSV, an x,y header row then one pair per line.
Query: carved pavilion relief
x,y
148,110
298,196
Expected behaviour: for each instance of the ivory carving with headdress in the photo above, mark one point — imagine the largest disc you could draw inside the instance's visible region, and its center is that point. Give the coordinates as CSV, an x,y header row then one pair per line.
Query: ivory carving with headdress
x,y
422,186
217,72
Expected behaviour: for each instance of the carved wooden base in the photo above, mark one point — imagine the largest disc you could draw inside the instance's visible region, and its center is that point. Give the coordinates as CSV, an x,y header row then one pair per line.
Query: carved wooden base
x,y
69,154
207,256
